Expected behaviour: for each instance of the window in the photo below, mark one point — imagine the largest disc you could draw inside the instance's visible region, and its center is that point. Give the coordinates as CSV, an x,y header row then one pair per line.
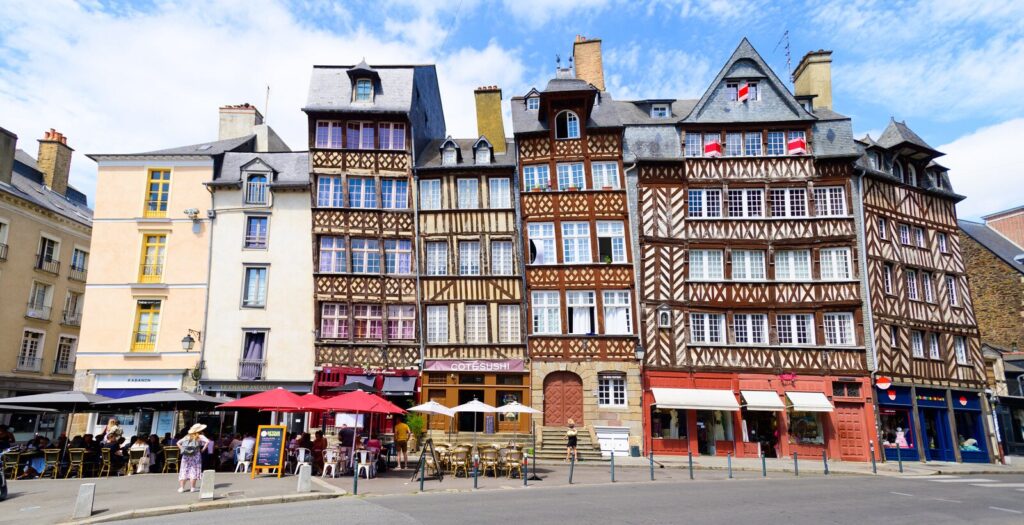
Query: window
x,y
912,285
501,257
960,348
617,313
154,249
437,258
39,301
366,256
364,90
694,148
508,323
746,203
705,203
795,329
894,337
328,134
256,232
887,278
791,202
606,175
250,366
712,144
476,323
576,243
792,265
917,343
582,313
329,191
874,160
401,322
362,192
706,265
469,194
611,241
567,125
392,135
542,243
73,308
943,242
927,288
752,144
707,328
919,237
30,356
883,228
367,322
933,347
830,201
332,255
79,258
482,155
611,390
147,324
835,264
360,135
897,171
571,176
750,328
799,147
839,329
437,324
844,389
806,428
256,189
430,194
776,143
469,258
904,235
954,299
533,103
397,257
546,317
734,144
500,190
333,321
158,189
660,111
65,363
254,293
449,157
748,265
394,194
536,177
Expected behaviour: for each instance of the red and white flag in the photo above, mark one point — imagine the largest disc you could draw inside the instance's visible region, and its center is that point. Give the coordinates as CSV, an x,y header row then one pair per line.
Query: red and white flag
x,y
713,149
743,92
797,146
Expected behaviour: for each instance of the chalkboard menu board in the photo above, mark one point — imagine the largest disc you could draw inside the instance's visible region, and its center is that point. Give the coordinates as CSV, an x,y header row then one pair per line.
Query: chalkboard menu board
x,y
269,452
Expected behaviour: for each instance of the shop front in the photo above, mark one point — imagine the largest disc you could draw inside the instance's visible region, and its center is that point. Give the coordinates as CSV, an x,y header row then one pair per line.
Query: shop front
x,y
1010,416
398,386
493,381
242,421
896,418
933,418
127,384
970,426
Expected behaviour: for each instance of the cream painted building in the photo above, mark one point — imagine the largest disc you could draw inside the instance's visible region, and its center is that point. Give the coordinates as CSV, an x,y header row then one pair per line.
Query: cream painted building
x,y
45,227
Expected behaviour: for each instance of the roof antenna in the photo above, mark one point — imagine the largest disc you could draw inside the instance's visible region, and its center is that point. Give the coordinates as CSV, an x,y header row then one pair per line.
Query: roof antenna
x,y
558,61
789,57
266,106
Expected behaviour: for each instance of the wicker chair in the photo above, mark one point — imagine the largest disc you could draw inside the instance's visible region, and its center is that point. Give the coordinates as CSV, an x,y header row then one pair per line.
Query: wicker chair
x,y
459,460
134,458
106,463
171,457
76,461
489,460
12,460
51,460
513,462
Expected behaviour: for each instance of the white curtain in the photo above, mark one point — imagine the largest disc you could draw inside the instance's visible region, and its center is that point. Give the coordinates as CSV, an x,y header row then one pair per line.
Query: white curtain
x,y
539,249
615,320
581,320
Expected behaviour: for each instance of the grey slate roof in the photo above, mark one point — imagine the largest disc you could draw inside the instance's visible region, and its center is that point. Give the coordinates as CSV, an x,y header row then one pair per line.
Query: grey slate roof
x,y
605,114
638,112
204,149
289,169
431,156
27,184
897,133
568,84
833,136
994,242
330,89
651,142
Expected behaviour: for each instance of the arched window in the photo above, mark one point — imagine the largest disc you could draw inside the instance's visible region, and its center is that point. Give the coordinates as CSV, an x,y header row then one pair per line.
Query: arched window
x,y
567,125
911,175
897,171
875,159
256,189
364,90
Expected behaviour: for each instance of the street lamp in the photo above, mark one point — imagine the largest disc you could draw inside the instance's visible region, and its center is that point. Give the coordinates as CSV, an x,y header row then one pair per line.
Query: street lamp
x,y
188,341
639,351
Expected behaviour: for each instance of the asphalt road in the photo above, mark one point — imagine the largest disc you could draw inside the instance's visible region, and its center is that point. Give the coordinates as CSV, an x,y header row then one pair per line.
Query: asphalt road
x,y
837,500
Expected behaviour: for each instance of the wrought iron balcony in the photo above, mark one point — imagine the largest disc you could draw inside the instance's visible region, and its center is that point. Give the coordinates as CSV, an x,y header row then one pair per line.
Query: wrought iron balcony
x,y
38,311
256,241
251,369
256,193
66,366
29,363
47,264
77,274
71,318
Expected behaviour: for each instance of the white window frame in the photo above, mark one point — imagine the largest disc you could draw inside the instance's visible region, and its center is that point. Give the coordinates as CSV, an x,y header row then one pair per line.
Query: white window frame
x,y
616,231
707,328
704,203
254,294
694,144
501,257
545,309
509,330
836,264
533,103
830,201
338,314
752,144
476,324
333,131
536,176
912,291
449,156
571,175
943,242
887,270
795,329
917,343
883,228
336,251
430,194
934,348
745,203
919,239
839,329
482,155
951,290
576,243
960,349
706,265
660,111
748,265
437,324
398,257
776,139
787,202
734,144
365,252
366,197
572,125
401,322
793,265
750,329
611,390
615,301
542,235
394,193
386,132
499,190
469,257
365,131
468,190
585,300
605,175
904,234
437,257
927,287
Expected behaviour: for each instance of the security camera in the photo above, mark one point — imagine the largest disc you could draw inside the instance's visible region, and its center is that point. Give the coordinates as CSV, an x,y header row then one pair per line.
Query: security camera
x,y
192,213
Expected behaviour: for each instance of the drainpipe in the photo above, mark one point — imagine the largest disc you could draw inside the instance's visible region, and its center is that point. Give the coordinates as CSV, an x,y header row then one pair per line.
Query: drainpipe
x,y
420,310
869,320
632,207
206,304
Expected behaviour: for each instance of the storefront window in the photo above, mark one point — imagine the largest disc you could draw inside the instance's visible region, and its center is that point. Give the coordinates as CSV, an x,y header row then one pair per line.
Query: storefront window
x,y
668,423
969,432
437,379
843,389
896,429
509,379
471,379
504,397
805,428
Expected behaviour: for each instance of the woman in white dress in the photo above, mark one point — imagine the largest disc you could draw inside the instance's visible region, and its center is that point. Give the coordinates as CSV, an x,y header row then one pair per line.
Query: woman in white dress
x,y
141,444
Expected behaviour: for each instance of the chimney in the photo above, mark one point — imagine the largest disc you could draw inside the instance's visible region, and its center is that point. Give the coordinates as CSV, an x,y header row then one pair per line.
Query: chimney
x,y
489,122
8,145
54,160
239,120
813,76
587,56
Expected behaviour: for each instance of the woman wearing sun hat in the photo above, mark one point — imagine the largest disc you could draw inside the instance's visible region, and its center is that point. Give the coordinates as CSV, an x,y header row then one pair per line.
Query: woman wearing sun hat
x,y
192,456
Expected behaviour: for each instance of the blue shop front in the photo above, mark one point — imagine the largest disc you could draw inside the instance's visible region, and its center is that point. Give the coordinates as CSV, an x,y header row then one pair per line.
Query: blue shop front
x,y
895,413
970,427
901,428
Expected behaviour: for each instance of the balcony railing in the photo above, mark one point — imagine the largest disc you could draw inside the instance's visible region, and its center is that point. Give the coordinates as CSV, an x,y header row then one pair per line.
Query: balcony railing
x,y
3,252
66,366
256,193
38,311
71,318
77,274
47,264
151,273
251,369
29,363
256,241
143,341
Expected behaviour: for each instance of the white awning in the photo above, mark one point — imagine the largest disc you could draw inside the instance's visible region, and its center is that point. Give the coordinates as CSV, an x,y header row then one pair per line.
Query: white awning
x,y
695,398
764,401
809,402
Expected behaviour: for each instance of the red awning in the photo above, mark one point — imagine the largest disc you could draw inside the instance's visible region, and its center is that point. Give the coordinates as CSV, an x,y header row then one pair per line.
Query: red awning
x,y
278,400
359,401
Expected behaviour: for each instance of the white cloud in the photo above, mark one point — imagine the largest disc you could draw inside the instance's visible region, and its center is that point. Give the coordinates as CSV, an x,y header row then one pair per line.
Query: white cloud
x,y
982,169
638,71
536,13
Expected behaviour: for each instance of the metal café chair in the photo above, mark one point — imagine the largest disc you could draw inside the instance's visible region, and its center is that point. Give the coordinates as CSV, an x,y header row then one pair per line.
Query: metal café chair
x,y
331,460
134,458
51,460
76,461
12,461
172,456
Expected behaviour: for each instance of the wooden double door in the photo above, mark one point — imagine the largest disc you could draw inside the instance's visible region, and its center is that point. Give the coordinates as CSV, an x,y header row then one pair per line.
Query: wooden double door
x,y
563,399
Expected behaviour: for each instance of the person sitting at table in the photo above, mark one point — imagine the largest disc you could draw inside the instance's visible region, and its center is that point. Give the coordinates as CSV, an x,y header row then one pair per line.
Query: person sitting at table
x,y
113,428
167,441
7,439
227,455
156,454
145,461
77,442
117,457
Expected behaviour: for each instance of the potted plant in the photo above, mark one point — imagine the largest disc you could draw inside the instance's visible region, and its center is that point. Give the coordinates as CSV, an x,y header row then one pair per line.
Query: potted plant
x,y
573,187
417,426
607,259
536,188
607,187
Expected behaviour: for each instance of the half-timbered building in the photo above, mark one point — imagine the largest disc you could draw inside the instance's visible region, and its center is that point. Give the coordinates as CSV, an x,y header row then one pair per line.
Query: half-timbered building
x,y
365,126
751,292
471,273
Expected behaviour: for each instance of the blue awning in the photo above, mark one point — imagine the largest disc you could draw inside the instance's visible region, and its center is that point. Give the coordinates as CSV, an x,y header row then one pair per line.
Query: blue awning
x,y
118,393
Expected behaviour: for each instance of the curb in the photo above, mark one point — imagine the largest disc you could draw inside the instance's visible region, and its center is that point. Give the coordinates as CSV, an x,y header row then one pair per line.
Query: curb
x,y
210,505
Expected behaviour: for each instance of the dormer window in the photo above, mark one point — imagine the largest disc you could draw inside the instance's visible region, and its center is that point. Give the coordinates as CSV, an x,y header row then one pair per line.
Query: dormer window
x,y
483,155
448,157
256,189
911,175
364,90
660,111
874,160
533,103
567,125
741,91
897,171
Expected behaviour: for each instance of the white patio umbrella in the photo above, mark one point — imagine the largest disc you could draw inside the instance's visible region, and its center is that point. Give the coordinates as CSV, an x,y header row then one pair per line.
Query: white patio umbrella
x,y
476,407
516,407
433,407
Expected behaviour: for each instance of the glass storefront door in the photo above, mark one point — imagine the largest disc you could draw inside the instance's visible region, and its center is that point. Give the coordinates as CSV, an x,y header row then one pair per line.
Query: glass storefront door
x,y
938,445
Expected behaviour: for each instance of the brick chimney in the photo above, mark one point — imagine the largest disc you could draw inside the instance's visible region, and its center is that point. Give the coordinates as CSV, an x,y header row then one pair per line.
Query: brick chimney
x,y
489,121
8,145
587,57
813,76
238,120
54,160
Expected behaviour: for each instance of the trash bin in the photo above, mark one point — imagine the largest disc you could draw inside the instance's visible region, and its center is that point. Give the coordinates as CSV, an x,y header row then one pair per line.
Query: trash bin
x,y
634,451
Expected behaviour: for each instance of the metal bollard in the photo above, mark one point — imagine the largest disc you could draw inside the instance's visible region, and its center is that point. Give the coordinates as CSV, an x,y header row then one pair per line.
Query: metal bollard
x,y
728,459
874,466
899,457
796,465
476,474
613,466
764,465
824,459
526,469
572,464
355,480
690,459
423,471
652,465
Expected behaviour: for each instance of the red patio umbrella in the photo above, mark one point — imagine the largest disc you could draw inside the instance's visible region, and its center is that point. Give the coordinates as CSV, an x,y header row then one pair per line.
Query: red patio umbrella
x,y
358,402
276,400
309,402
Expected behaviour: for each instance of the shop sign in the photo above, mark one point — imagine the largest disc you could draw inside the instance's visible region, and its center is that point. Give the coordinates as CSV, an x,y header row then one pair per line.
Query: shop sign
x,y
963,401
476,365
883,383
891,394
147,381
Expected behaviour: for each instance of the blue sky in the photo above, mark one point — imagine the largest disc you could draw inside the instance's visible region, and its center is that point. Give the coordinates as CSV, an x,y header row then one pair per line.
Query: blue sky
x,y
122,76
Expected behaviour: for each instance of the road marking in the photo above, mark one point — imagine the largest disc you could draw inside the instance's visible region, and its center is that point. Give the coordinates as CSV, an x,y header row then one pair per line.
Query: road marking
x,y
1011,511
999,485
964,480
946,500
902,494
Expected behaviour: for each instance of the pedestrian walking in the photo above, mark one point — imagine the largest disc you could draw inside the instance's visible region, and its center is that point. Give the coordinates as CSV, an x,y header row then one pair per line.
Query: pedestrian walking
x,y
402,433
192,456
570,442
